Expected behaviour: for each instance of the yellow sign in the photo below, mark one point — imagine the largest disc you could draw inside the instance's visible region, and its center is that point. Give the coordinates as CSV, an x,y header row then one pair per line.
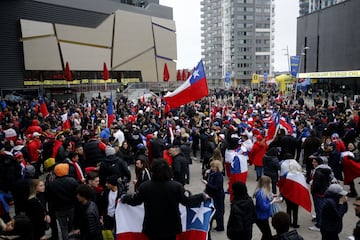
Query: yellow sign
x,y
255,78
335,74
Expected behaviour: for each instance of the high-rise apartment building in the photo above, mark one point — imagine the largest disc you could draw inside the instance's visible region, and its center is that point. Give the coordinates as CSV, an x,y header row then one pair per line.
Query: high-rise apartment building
x,y
309,6
237,39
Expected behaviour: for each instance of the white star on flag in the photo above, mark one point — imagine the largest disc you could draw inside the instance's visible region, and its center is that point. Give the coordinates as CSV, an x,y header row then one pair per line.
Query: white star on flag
x,y
196,73
199,213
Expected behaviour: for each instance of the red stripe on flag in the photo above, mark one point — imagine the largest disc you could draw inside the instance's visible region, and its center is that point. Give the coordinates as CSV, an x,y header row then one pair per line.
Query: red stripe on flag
x,y
295,191
131,236
351,169
191,235
192,93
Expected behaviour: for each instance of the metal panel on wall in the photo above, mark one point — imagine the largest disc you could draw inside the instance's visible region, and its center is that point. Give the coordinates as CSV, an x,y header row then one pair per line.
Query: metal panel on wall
x,y
332,38
11,57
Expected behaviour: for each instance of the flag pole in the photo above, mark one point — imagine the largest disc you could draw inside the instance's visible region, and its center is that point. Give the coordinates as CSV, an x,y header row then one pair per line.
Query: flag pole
x,y
210,110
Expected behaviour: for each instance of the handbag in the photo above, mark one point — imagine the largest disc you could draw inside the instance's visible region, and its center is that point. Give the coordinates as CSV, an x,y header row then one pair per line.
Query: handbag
x,y
107,234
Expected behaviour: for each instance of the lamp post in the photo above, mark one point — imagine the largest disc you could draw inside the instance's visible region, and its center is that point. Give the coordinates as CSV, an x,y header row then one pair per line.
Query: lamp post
x,y
288,57
303,53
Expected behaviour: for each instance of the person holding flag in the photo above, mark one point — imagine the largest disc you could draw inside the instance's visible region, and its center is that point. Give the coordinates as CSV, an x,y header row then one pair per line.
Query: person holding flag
x,y
293,188
110,112
161,197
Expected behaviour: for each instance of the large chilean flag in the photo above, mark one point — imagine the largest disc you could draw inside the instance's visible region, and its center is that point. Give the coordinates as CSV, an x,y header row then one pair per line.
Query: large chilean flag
x,y
195,221
292,185
193,89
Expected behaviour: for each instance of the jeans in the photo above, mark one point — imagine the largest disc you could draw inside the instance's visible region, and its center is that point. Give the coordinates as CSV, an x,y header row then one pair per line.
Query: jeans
x,y
318,204
65,219
259,172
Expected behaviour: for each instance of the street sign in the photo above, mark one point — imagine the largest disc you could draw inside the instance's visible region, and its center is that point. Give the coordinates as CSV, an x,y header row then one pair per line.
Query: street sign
x,y
227,77
265,78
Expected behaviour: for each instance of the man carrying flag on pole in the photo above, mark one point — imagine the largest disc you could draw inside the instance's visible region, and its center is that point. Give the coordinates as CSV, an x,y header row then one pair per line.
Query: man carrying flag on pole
x,y
43,108
110,112
193,89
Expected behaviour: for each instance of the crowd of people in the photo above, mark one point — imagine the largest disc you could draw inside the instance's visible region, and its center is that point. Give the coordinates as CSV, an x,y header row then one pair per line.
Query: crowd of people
x,y
70,164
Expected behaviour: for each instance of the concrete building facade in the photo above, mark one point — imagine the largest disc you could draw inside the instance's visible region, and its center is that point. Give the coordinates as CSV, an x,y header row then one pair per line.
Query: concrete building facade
x,y
309,6
327,41
40,36
237,39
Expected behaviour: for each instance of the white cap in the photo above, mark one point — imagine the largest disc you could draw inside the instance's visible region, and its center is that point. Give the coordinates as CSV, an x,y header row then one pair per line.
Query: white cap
x,y
36,134
338,189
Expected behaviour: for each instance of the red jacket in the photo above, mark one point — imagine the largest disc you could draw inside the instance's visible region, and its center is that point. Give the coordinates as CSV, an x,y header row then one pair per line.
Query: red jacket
x,y
257,153
33,146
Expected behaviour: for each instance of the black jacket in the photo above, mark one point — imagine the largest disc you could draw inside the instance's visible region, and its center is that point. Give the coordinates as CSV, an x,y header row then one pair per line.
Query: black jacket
x,y
321,180
161,203
332,213
93,153
242,217
10,172
179,166
113,166
61,193
271,166
88,221
292,235
36,212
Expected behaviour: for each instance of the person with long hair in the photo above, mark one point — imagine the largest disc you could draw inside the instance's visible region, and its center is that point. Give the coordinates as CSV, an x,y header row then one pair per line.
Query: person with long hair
x,y
127,153
142,172
264,199
36,210
242,214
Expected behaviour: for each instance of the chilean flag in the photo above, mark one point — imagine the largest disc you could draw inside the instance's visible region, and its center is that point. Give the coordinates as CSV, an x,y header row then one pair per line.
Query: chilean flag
x,y
273,126
195,221
351,168
238,167
292,185
65,121
193,89
110,112
43,108
286,126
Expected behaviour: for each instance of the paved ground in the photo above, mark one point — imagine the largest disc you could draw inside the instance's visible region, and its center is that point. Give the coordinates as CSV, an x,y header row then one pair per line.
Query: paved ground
x,y
197,186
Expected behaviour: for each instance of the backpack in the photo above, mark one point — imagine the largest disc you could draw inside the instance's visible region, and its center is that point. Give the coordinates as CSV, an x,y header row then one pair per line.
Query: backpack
x,y
117,168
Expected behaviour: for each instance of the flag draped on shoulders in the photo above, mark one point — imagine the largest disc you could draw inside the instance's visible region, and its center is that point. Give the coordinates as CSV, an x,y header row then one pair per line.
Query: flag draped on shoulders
x,y
194,88
110,112
238,167
351,167
65,121
292,185
195,221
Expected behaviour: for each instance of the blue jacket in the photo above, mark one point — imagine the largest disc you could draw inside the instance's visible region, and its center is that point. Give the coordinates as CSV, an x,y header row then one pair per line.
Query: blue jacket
x,y
262,205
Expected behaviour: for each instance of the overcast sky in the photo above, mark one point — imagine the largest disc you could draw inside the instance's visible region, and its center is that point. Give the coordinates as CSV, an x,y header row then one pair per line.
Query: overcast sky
x,y
187,19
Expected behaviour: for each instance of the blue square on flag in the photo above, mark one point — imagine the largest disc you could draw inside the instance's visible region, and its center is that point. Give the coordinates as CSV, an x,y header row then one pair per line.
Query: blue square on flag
x,y
198,217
